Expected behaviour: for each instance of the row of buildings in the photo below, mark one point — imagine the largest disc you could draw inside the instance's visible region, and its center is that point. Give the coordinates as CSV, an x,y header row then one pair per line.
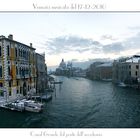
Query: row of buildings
x,y
22,70
100,71
127,70
123,70
68,70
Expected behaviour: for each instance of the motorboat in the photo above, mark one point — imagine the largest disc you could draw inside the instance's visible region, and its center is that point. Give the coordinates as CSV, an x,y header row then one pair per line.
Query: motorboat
x,y
32,106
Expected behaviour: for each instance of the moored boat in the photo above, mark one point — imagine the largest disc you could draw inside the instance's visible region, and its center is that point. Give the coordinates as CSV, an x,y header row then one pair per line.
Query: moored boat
x,y
32,106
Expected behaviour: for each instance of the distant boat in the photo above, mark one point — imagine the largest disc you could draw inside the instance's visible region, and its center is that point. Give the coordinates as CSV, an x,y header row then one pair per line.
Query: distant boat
x,y
46,97
121,84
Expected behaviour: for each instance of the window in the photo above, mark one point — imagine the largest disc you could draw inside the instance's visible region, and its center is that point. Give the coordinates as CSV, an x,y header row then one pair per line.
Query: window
x,y
1,84
0,51
16,51
1,71
9,83
8,50
137,66
9,93
8,70
20,90
129,66
17,83
136,73
19,52
129,73
16,70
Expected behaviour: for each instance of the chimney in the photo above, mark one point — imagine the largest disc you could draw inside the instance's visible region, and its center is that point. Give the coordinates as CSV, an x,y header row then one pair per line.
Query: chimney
x,y
31,45
10,37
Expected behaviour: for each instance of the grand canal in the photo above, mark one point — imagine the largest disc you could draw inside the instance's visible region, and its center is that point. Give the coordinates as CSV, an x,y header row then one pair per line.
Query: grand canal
x,y
81,103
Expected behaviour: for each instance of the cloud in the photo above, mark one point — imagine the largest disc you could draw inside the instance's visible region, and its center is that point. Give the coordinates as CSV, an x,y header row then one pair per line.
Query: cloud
x,y
74,60
115,48
131,43
64,44
108,37
134,27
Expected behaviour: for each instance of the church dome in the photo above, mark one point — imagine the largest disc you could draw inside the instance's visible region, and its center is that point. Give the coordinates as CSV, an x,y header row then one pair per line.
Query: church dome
x,y
62,64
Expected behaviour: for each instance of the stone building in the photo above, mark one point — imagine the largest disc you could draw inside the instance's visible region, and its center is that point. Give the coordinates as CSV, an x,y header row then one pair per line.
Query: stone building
x,y
17,68
62,69
127,70
41,73
100,71
104,71
91,71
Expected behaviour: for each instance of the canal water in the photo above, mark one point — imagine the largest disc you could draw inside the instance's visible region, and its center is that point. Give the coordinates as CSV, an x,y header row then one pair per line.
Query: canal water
x,y
81,103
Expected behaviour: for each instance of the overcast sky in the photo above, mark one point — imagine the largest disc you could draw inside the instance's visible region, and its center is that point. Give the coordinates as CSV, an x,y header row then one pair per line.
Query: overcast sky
x,y
77,36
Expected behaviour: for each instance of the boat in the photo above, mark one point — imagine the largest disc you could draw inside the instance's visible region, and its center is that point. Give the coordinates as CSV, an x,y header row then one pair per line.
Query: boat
x,y
121,84
46,97
49,90
15,106
32,106
18,105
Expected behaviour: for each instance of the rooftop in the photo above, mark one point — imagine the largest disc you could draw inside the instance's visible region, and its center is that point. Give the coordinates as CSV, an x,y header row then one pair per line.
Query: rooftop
x,y
10,38
107,64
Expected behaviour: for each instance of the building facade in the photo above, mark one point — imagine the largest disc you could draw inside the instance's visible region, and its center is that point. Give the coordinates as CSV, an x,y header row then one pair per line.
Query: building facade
x,y
104,71
100,71
17,68
41,73
91,71
67,69
127,70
